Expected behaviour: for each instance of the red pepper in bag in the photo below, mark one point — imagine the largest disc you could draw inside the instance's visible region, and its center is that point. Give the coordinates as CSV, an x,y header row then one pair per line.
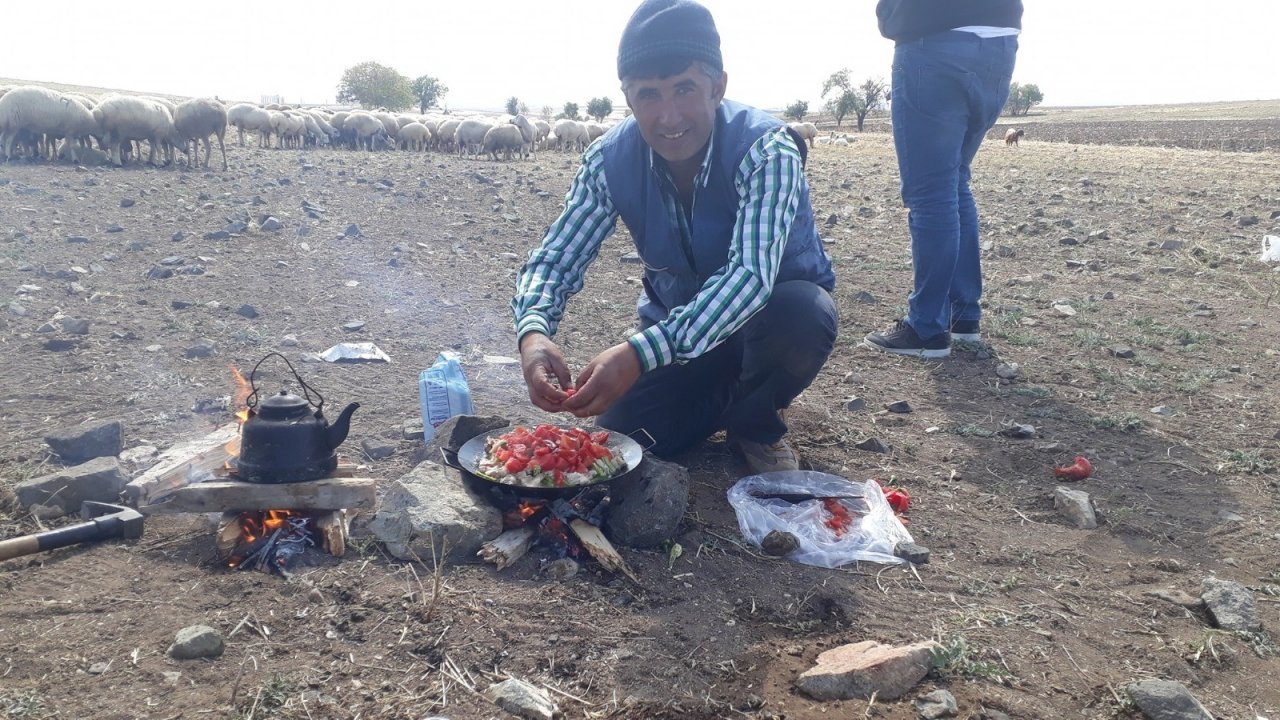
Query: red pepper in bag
x,y
840,519
1079,470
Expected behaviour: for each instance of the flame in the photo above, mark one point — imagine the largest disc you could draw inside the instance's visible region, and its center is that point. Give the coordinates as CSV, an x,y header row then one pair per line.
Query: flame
x,y
257,524
520,514
527,509
240,398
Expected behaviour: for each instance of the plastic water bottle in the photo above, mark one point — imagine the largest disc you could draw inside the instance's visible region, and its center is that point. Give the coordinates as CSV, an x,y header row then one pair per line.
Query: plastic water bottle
x,y
443,392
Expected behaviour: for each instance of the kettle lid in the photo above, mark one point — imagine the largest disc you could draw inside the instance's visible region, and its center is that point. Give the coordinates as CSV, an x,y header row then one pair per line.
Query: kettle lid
x,y
282,406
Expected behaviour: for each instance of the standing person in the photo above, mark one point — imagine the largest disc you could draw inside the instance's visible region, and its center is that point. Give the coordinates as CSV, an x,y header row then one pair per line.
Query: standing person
x,y
736,316
951,71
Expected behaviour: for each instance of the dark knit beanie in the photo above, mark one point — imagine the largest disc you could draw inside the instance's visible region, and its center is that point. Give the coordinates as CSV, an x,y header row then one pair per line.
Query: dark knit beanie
x,y
663,37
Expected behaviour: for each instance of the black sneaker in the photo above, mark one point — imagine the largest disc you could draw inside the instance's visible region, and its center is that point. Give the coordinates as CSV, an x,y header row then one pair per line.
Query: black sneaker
x,y
965,331
903,340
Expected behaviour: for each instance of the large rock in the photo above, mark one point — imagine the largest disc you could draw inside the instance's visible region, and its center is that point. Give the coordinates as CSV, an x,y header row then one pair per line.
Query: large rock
x,y
457,430
196,641
100,479
1166,700
1076,507
86,442
523,700
431,505
648,504
861,669
1231,605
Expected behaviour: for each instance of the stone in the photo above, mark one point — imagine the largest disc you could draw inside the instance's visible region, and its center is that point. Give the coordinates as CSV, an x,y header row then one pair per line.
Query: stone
x,y
181,304
113,228
1124,352
412,430
631,258
1166,700
865,668
377,449
648,503
855,404
457,430
1164,410
74,326
353,230
1075,506
78,239
1171,245
779,543
1231,605
431,507
236,227
1007,371
993,714
247,311
911,552
271,224
561,569
1018,431
1068,241
937,704
196,641
865,298
354,326
901,406
522,700
875,445
202,349
79,443
127,202
101,479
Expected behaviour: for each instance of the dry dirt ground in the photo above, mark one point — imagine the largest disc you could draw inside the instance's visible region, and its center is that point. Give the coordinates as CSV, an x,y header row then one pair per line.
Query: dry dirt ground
x,y
1041,620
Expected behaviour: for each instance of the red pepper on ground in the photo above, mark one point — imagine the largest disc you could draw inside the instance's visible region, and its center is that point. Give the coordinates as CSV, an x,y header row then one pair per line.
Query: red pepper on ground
x,y
899,499
1079,470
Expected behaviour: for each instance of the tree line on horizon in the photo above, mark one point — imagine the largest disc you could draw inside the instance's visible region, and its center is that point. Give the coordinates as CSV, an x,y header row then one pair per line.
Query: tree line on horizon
x,y
874,94
372,85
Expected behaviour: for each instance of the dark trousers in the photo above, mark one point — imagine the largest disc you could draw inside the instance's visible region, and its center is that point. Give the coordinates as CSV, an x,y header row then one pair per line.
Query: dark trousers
x,y
740,384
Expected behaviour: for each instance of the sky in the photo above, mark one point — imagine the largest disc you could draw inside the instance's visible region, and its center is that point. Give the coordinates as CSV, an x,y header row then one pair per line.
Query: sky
x,y
1079,52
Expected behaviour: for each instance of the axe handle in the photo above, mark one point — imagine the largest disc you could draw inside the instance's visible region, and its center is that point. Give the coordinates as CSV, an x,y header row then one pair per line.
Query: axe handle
x,y
97,529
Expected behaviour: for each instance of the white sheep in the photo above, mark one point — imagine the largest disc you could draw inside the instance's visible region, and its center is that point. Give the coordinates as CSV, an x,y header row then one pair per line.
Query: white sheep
x,y
389,122
194,121
572,135
365,129
806,131
505,138
41,111
528,131
444,134
469,137
124,118
413,136
252,118
544,130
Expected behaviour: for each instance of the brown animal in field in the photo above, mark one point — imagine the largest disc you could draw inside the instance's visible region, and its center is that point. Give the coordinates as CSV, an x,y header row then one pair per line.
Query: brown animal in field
x,y
1011,137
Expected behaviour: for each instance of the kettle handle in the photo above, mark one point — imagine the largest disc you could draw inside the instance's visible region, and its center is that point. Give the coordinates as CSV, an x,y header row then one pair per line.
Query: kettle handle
x,y
252,401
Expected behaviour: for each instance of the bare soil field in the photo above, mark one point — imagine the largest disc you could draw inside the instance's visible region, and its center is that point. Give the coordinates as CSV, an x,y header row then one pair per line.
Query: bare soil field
x,y
1088,247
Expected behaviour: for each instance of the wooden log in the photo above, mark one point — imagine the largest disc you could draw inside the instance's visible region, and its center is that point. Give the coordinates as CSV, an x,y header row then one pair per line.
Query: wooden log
x,y
508,547
190,462
232,495
600,548
228,534
333,527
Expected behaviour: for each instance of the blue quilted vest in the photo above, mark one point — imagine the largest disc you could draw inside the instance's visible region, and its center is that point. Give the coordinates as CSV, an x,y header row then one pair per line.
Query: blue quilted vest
x,y
670,280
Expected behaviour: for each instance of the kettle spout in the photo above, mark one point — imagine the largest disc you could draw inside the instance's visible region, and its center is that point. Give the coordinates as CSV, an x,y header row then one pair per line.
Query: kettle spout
x,y
337,432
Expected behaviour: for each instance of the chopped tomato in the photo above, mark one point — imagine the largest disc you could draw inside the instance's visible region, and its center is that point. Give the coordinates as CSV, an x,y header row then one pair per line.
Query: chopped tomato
x,y
515,465
600,437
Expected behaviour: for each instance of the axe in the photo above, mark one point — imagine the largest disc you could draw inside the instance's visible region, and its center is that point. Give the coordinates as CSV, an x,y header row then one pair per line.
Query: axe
x,y
105,522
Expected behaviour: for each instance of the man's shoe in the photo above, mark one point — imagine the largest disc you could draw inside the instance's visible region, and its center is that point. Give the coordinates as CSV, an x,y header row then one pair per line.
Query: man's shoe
x,y
903,340
965,331
766,457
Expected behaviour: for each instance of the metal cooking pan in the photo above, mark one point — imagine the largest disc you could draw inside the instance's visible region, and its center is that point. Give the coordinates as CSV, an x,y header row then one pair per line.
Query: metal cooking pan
x,y
467,459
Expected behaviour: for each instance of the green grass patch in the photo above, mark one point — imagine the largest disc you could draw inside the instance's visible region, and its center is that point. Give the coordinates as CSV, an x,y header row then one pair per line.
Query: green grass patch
x,y
1124,422
971,430
955,658
25,704
1195,381
1249,462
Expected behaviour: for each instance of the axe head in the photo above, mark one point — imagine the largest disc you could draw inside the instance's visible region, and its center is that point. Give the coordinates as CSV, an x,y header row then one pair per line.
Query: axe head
x,y
130,519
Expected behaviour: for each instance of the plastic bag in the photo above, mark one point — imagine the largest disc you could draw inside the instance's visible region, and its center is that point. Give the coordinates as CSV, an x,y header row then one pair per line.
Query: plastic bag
x,y
871,536
1270,248
443,392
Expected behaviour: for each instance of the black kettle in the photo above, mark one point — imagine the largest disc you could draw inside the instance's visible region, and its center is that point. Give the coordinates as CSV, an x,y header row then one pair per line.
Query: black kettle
x,y
283,441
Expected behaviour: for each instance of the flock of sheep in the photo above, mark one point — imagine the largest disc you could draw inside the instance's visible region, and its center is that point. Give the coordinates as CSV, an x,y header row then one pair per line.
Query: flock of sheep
x,y
41,123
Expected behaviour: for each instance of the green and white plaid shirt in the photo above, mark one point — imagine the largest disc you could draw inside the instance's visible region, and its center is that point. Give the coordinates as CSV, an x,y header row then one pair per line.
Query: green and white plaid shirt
x,y
769,182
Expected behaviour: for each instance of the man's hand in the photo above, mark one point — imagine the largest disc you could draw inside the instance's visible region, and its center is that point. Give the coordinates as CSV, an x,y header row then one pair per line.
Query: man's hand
x,y
606,378
541,362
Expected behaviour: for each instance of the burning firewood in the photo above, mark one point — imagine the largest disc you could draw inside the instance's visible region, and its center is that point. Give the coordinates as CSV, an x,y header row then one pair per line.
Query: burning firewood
x,y
508,547
600,548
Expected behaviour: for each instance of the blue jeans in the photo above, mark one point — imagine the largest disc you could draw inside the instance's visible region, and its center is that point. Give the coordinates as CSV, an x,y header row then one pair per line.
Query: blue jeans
x,y
740,384
948,90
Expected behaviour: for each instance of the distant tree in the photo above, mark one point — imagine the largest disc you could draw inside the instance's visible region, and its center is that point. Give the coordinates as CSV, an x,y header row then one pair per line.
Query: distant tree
x,y
796,110
548,112
570,111
599,108
524,108
513,105
1022,98
374,85
870,95
847,99
429,92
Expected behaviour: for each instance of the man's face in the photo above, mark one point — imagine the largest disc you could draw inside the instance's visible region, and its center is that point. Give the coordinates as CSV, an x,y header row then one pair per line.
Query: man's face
x,y
675,114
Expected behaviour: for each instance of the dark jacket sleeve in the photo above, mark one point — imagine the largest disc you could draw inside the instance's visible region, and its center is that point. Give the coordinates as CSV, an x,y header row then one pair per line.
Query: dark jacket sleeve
x,y
905,20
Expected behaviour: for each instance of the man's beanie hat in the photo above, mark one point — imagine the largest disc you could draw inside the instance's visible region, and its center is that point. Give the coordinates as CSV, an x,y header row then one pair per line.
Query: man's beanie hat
x,y
665,30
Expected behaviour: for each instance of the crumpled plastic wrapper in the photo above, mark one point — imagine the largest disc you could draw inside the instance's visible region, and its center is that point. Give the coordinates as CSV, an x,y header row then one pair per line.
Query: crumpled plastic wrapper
x,y
354,352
